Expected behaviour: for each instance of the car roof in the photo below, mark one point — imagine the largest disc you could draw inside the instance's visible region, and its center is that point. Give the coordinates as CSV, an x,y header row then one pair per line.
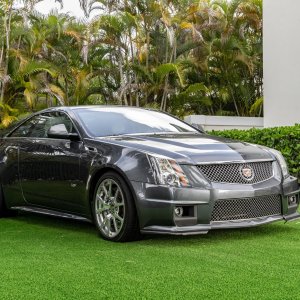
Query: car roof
x,y
102,107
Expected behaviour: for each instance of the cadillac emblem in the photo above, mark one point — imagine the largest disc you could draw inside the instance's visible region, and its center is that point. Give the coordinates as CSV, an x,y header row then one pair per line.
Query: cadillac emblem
x,y
247,172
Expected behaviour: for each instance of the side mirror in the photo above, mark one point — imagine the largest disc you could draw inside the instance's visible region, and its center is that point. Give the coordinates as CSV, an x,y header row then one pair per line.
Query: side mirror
x,y
60,131
199,127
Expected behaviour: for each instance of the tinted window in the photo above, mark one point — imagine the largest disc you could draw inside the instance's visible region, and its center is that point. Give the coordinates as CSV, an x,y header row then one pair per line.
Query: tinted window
x,y
10,128
38,126
118,121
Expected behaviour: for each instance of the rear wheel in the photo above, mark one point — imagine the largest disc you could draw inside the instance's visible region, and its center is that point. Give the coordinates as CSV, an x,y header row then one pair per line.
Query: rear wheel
x,y
114,211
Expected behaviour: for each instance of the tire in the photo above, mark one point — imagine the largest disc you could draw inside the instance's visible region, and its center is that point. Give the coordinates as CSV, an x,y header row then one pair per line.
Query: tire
x,y
113,209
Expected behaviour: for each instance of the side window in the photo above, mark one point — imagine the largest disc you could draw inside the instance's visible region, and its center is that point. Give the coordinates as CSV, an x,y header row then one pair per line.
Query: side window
x,y
38,126
31,127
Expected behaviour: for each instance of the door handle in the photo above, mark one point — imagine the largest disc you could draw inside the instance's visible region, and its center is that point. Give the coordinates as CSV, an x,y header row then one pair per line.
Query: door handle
x,y
10,149
91,149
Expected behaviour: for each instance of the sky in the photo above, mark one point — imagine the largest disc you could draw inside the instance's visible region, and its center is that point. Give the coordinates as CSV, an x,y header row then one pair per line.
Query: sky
x,y
71,6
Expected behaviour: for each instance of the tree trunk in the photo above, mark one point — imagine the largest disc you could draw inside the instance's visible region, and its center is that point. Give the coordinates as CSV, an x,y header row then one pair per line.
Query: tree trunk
x,y
67,90
163,105
1,55
122,83
7,27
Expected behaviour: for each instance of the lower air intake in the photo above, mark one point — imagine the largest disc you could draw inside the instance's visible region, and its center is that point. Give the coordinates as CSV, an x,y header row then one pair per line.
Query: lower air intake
x,y
246,208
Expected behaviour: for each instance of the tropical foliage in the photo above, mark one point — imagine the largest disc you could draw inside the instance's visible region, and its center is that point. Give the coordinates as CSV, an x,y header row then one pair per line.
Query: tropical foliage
x,y
181,56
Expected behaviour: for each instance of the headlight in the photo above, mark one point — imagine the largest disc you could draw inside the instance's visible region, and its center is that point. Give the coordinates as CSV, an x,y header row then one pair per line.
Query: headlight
x,y
168,172
281,161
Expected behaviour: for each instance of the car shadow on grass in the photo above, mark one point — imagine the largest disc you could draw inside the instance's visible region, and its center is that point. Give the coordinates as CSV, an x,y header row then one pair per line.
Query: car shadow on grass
x,y
220,236
53,222
214,236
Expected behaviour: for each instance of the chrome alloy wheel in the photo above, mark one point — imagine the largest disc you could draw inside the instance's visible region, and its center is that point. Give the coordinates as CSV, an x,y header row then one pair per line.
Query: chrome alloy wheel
x,y
110,208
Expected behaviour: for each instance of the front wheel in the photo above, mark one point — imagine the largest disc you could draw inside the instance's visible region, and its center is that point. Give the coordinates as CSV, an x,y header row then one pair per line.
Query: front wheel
x,y
114,211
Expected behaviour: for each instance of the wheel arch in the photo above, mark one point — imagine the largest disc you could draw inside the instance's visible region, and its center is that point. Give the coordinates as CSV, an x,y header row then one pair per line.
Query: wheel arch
x,y
100,172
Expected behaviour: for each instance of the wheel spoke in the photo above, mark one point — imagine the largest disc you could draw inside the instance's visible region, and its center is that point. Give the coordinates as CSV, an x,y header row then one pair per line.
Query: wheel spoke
x,y
105,190
116,195
109,188
101,210
109,226
101,195
115,224
104,222
119,218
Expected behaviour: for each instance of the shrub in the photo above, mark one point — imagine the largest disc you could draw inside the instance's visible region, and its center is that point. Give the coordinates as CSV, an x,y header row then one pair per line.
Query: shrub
x,y
284,139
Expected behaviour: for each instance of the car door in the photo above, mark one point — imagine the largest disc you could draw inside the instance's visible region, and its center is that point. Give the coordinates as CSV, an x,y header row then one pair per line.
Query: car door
x,y
9,176
49,168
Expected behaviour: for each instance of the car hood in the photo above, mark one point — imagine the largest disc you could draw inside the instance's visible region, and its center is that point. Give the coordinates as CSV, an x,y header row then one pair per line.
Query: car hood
x,y
192,148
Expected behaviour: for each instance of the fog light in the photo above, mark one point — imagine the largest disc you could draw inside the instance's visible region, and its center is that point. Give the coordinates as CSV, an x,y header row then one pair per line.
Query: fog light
x,y
178,211
292,200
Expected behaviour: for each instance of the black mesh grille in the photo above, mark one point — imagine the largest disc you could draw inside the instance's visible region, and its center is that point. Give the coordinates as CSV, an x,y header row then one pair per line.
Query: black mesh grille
x,y
247,208
232,173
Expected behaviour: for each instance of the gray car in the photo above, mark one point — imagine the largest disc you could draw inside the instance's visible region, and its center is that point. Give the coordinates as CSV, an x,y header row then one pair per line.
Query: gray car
x,y
133,171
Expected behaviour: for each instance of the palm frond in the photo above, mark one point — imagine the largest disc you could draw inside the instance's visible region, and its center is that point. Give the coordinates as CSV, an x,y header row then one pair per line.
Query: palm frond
x,y
7,115
34,67
165,69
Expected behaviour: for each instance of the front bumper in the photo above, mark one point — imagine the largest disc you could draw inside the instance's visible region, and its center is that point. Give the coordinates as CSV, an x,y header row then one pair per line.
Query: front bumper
x,y
156,204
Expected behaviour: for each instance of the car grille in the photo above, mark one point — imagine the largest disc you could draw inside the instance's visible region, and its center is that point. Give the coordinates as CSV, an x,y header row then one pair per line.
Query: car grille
x,y
231,172
247,208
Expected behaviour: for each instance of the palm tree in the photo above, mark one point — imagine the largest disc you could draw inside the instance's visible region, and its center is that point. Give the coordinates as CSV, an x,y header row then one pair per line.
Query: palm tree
x,y
182,56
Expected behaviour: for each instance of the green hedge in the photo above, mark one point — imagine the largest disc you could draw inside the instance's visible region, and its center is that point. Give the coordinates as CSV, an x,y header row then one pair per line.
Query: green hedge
x,y
284,139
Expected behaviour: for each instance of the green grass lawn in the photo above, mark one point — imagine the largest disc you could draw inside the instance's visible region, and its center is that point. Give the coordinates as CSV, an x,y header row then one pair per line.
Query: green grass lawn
x,y
48,258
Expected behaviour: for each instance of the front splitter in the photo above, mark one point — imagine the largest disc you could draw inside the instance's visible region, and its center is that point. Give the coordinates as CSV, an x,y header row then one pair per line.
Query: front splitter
x,y
204,228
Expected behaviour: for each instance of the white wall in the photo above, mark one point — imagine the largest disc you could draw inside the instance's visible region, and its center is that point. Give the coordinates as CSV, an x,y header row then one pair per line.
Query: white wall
x,y
225,123
281,62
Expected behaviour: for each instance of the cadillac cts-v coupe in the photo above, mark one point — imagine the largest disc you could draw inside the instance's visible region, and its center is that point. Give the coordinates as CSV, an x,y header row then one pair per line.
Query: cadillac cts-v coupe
x,y
133,171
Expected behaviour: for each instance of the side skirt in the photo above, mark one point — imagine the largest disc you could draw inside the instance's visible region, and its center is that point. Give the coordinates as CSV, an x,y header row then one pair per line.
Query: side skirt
x,y
49,212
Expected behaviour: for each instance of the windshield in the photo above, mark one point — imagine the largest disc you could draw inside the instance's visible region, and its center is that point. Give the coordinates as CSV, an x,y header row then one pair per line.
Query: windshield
x,y
119,121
